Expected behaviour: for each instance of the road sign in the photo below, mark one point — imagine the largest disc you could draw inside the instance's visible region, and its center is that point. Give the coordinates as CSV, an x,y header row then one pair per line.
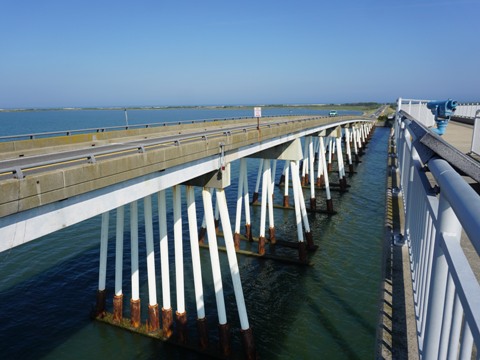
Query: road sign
x,y
257,112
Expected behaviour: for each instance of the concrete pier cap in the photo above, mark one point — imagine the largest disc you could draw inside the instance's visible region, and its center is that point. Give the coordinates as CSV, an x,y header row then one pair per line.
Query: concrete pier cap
x,y
291,150
218,179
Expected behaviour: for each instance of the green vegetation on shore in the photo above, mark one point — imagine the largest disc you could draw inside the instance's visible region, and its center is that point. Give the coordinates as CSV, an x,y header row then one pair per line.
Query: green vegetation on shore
x,y
362,106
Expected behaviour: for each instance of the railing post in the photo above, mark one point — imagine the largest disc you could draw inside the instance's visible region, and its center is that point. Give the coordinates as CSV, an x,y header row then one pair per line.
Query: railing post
x,y
448,224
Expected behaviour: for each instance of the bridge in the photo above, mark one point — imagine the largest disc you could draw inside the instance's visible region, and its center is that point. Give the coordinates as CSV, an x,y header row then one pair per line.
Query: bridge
x,y
51,181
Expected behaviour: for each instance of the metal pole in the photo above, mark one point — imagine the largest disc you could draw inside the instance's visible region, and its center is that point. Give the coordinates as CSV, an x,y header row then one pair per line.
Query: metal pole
x,y
126,117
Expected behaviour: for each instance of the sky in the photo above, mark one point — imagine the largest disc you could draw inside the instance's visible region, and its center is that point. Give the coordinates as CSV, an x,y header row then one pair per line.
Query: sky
x,y
58,53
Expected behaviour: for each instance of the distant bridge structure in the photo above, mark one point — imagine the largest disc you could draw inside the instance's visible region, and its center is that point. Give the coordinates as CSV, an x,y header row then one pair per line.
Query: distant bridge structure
x,y
51,181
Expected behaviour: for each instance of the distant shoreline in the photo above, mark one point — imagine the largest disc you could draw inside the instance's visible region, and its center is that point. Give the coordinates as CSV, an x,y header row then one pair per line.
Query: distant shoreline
x,y
347,106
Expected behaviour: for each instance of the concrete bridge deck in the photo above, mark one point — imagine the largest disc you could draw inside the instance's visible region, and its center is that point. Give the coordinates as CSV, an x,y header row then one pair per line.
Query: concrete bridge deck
x,y
84,162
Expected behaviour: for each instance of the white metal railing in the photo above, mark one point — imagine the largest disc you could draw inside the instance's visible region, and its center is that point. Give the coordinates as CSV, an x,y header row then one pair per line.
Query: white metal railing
x,y
467,110
446,292
476,134
418,109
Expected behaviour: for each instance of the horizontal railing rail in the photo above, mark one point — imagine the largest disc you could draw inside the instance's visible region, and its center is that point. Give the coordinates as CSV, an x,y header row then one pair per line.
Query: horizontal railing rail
x,y
467,110
475,148
91,154
123,127
464,111
439,205
17,167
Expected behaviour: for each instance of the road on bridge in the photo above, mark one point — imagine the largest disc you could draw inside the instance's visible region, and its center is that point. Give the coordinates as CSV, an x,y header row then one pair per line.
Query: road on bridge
x,y
55,159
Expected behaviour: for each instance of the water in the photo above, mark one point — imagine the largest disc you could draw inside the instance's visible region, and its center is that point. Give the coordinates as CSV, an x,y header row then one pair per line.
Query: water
x,y
328,310
27,122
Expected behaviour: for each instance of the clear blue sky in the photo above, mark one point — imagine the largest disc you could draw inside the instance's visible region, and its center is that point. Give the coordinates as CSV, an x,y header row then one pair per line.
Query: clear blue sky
x,y
166,52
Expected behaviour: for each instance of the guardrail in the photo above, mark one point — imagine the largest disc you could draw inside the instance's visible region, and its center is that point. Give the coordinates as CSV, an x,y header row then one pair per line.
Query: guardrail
x,y
476,134
446,291
467,110
419,110
122,127
91,154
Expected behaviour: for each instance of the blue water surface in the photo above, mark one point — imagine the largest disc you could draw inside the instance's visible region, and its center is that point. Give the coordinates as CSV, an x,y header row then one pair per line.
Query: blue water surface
x,y
328,310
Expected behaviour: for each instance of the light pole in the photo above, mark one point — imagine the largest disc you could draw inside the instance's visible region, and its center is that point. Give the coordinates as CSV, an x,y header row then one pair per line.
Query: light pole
x,y
126,116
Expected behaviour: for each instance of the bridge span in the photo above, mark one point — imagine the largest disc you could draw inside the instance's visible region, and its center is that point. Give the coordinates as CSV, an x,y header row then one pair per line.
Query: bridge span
x,y
49,183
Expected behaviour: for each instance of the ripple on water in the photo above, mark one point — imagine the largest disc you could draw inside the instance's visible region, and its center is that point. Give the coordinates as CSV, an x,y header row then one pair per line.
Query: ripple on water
x,y
328,310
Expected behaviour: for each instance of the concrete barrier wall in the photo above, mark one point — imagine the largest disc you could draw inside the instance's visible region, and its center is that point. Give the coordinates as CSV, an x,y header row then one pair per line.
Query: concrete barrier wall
x,y
44,145
39,189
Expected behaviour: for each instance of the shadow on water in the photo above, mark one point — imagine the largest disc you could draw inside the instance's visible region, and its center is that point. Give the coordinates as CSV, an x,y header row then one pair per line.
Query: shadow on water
x,y
328,324
45,311
40,313
345,306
